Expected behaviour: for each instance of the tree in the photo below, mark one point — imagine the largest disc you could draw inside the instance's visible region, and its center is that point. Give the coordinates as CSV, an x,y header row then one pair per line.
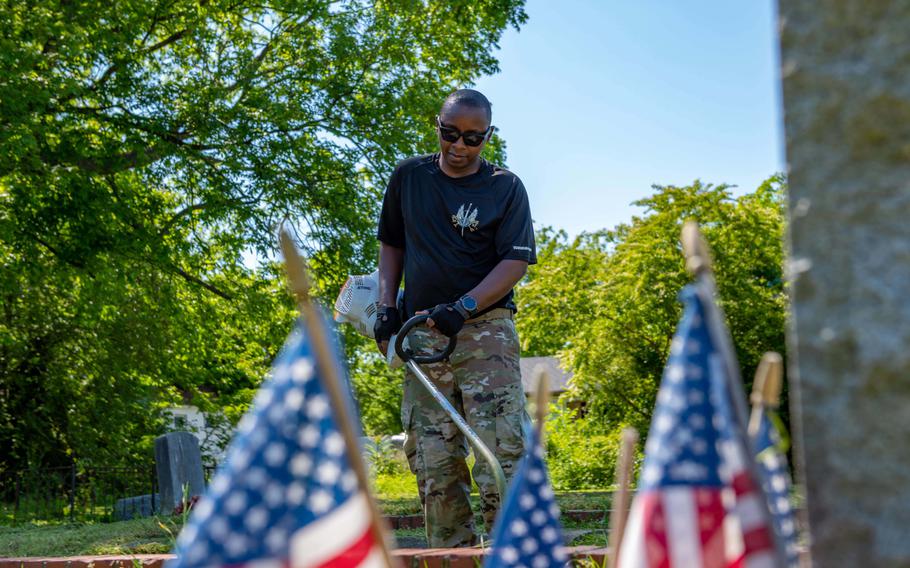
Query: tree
x,y
162,130
144,150
607,302
377,388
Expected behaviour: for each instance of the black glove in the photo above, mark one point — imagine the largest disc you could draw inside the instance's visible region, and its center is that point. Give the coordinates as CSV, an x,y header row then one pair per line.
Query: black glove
x,y
388,322
446,319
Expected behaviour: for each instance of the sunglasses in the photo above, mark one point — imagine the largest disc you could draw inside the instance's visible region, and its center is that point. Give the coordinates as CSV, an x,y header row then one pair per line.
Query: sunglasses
x,y
450,134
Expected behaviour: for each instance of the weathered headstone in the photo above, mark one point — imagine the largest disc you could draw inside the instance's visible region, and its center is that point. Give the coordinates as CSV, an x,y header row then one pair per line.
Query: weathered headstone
x,y
178,462
136,507
846,82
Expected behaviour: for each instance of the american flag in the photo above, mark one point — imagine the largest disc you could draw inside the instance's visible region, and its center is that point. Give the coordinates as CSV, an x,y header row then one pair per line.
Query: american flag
x,y
286,495
697,502
528,532
777,484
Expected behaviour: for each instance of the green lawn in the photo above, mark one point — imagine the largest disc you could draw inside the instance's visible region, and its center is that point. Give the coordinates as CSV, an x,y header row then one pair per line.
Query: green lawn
x,y
156,535
141,536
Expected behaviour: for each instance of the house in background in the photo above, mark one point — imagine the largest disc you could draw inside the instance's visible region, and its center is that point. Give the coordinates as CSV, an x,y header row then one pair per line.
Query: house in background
x,y
186,419
213,437
558,378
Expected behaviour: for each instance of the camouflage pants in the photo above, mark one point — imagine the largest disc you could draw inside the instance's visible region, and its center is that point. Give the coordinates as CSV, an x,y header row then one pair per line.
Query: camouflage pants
x,y
482,380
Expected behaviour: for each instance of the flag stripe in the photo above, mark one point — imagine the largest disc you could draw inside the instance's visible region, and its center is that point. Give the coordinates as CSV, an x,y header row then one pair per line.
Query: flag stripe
x,y
749,509
711,514
320,541
355,554
762,560
262,564
757,539
632,547
733,533
743,483
682,527
376,559
655,527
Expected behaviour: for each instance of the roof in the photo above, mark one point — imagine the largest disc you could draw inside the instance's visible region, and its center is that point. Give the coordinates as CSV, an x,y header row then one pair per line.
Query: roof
x,y
559,379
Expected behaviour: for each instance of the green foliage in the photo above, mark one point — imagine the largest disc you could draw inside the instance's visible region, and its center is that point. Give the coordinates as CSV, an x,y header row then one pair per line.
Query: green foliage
x,y
607,302
399,486
384,458
89,363
145,150
377,388
555,296
581,451
390,475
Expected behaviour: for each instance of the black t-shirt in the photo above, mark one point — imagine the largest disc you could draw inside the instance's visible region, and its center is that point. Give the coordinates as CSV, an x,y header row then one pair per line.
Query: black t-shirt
x,y
454,230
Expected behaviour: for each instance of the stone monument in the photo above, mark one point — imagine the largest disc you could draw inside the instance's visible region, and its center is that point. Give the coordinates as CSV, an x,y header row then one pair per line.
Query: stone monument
x,y
178,462
846,86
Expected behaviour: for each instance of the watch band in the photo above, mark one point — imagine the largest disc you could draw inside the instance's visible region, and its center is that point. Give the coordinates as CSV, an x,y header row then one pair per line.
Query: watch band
x,y
468,304
459,307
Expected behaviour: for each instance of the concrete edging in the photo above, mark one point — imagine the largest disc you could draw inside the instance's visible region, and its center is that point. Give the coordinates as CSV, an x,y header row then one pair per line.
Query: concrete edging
x,y
417,521
410,557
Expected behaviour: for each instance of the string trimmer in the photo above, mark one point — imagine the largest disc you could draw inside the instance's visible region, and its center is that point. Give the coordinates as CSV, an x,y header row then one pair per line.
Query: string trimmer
x,y
357,304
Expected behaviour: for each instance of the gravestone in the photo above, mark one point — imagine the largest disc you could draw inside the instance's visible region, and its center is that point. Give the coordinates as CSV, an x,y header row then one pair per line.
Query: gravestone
x,y
846,86
178,462
140,506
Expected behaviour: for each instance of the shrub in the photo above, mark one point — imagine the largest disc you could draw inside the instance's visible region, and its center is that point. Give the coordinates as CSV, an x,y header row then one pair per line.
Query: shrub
x,y
383,457
606,302
377,388
582,451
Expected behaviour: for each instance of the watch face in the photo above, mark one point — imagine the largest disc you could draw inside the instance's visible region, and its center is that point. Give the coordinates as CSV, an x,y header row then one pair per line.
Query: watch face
x,y
469,303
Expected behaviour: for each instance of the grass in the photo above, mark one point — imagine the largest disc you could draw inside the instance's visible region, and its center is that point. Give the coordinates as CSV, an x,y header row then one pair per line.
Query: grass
x,y
145,536
397,490
597,534
396,486
397,494
140,536
409,503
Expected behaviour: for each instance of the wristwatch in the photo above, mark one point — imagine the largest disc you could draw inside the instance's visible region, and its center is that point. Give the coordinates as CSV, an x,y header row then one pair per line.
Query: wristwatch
x,y
466,306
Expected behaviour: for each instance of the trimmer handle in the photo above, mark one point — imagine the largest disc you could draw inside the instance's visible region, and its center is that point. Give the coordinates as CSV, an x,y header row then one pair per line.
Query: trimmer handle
x,y
406,354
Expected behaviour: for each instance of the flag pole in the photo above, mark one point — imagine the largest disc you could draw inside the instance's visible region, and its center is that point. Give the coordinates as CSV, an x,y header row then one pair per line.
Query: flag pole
x,y
542,400
699,264
695,249
299,283
619,512
765,388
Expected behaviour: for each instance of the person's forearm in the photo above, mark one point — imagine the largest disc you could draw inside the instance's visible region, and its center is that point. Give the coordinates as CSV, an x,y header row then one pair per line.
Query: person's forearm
x,y
391,265
498,282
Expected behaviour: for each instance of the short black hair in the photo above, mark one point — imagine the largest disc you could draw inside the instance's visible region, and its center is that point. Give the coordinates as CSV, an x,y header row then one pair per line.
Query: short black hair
x,y
468,98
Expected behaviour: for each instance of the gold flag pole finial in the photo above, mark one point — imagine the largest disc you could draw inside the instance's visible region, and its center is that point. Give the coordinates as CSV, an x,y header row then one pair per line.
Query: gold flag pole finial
x,y
622,498
765,388
330,371
695,249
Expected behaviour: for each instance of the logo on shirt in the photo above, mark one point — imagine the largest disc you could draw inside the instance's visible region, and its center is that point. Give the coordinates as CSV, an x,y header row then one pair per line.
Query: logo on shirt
x,y
466,218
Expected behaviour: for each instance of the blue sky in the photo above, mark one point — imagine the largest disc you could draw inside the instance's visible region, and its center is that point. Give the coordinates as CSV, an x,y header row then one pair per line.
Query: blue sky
x,y
597,101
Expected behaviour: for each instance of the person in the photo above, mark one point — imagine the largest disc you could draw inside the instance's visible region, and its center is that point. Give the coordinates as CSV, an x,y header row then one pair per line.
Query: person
x,y
458,228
